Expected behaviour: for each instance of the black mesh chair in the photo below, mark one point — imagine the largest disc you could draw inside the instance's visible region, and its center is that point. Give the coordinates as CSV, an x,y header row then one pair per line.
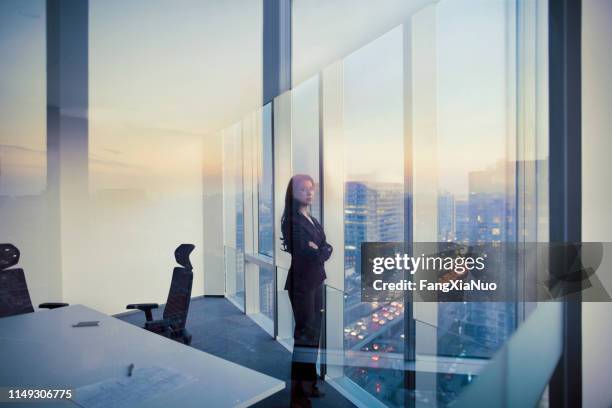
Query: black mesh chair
x,y
14,294
175,313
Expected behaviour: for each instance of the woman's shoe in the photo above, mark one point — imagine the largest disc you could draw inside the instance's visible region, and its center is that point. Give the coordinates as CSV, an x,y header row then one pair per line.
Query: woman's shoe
x,y
298,396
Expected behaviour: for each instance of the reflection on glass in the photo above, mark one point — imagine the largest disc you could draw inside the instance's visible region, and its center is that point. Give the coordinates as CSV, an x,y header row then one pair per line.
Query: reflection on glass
x,y
266,291
265,185
145,149
27,218
373,207
476,201
23,142
305,136
285,313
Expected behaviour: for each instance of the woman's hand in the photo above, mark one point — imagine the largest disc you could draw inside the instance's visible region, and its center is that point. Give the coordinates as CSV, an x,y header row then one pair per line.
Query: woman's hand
x,y
312,245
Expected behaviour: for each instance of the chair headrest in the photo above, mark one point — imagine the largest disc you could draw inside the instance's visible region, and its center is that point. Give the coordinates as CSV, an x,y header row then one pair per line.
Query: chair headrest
x,y
181,254
9,256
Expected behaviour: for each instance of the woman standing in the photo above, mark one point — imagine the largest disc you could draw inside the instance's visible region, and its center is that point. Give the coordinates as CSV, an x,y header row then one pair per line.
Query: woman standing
x,y
304,239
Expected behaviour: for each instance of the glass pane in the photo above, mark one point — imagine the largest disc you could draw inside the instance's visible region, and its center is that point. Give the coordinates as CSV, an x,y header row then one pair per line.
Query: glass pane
x,y
233,212
22,99
266,185
373,208
234,276
476,200
27,219
285,313
145,149
305,135
266,291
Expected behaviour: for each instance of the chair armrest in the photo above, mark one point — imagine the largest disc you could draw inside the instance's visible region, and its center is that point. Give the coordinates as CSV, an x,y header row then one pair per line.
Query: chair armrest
x,y
166,326
145,307
52,305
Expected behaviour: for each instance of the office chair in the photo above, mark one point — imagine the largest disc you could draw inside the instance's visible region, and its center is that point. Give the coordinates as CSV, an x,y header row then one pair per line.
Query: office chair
x,y
175,313
14,294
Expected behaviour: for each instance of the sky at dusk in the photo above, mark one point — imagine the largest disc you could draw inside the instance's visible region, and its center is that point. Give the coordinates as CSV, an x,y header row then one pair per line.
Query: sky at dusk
x,y
148,92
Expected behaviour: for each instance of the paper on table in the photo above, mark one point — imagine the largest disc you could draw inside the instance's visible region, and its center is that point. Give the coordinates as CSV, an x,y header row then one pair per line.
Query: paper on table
x,y
122,392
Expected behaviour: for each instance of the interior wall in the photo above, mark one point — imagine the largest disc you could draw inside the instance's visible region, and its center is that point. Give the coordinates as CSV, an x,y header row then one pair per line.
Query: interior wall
x,y
597,193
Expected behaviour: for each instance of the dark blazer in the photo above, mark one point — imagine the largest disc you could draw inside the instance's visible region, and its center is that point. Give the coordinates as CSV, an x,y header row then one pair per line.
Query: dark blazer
x,y
306,271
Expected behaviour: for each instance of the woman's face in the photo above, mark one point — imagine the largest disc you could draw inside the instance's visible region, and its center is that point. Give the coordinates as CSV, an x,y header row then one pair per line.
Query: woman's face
x,y
303,192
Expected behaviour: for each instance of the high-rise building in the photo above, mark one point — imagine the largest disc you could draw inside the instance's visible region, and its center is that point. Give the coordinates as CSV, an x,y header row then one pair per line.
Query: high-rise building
x,y
491,204
462,221
487,215
446,217
373,212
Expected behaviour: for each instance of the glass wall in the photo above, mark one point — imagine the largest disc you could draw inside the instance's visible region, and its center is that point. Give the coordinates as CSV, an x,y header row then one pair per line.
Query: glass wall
x,y
248,188
233,214
28,214
258,168
476,168
439,132
145,150
266,293
305,135
249,191
141,105
373,207
265,185
23,99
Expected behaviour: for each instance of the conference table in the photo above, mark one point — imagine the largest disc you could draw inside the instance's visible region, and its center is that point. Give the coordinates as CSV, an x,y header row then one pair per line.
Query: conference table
x,y
43,350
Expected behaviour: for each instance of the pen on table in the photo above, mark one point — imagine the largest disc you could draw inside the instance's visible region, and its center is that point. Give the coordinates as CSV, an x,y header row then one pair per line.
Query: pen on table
x,y
130,369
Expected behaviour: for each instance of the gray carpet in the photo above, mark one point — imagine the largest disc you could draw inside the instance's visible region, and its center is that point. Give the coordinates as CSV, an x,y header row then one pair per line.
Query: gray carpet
x,y
219,328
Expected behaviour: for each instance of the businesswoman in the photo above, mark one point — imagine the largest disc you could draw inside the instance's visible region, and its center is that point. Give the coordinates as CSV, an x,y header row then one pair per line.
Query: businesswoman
x,y
303,237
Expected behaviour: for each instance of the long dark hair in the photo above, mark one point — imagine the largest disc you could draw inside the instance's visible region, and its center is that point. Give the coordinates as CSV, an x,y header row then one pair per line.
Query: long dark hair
x,y
291,208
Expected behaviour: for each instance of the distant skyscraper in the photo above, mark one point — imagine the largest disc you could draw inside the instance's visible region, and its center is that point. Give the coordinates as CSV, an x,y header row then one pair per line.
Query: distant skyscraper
x,y
446,217
373,212
462,221
491,204
478,329
266,292
266,230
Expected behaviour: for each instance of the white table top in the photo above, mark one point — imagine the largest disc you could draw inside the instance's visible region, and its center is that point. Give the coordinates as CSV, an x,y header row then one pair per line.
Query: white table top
x,y
42,349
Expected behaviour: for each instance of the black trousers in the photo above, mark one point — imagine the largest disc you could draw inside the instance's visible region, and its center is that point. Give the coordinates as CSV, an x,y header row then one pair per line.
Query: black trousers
x,y
307,305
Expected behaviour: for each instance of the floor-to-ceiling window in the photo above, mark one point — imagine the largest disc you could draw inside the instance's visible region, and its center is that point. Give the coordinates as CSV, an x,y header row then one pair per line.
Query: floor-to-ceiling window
x,y
373,207
126,112
258,168
250,162
476,169
145,150
233,214
248,197
265,185
305,157
468,110
265,212
29,218
441,140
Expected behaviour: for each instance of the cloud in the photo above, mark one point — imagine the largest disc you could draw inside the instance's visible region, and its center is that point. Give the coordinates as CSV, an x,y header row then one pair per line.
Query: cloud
x,y
21,148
